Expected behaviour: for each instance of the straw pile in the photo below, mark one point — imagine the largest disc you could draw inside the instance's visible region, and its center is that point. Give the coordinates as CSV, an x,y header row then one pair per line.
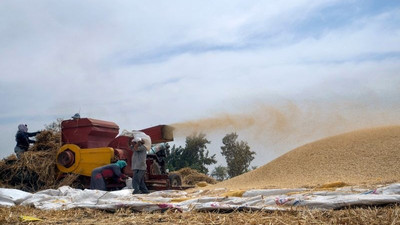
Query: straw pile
x,y
191,177
36,169
364,157
370,215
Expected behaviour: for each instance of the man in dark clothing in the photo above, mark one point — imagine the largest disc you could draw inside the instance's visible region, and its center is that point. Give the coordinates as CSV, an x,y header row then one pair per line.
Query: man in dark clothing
x,y
113,171
139,166
22,139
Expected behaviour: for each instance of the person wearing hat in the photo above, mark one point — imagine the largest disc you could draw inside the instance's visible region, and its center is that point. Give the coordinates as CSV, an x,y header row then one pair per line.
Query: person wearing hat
x,y
139,166
114,171
22,138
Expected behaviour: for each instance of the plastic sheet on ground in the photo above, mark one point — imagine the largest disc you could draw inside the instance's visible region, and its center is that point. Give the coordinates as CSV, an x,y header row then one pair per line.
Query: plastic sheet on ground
x,y
265,199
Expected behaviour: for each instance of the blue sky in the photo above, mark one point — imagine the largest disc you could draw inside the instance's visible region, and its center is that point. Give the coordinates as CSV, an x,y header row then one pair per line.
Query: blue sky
x,y
279,73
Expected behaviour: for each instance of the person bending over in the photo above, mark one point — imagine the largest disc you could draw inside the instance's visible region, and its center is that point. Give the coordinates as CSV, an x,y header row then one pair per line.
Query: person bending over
x,y
113,171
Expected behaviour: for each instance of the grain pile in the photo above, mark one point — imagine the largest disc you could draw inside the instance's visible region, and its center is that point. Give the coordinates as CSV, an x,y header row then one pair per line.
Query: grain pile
x,y
363,157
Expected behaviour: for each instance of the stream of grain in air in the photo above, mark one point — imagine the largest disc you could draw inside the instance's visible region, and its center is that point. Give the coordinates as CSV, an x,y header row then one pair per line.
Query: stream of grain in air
x,y
289,125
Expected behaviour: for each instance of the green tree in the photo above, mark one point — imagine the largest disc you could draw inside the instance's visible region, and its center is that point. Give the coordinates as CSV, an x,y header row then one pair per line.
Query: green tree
x,y
237,154
194,155
219,173
174,158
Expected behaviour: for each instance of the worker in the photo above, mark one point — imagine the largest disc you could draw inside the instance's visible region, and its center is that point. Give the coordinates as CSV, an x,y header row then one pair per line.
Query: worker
x,y
113,171
161,151
76,116
22,138
139,166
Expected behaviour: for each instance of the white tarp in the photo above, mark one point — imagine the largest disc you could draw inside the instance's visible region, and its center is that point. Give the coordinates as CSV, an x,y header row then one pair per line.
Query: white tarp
x,y
11,197
268,199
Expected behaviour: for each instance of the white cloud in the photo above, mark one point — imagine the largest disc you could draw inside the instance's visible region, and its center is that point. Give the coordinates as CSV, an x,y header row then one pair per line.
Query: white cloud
x,y
142,64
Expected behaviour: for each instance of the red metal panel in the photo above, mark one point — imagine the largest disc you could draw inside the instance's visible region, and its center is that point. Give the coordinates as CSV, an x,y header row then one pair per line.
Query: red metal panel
x,y
84,122
159,134
88,133
121,142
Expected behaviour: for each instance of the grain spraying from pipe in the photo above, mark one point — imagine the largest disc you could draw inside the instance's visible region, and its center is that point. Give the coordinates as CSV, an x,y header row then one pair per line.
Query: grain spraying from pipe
x,y
290,125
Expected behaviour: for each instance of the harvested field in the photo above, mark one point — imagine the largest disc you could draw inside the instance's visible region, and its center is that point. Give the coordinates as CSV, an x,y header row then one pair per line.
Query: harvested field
x,y
363,157
371,215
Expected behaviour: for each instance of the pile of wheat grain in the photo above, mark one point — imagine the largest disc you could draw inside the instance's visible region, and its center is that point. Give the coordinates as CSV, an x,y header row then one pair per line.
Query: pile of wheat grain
x,y
362,157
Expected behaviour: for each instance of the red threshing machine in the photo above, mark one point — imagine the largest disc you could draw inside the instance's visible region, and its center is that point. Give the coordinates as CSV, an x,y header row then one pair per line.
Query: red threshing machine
x,y
90,143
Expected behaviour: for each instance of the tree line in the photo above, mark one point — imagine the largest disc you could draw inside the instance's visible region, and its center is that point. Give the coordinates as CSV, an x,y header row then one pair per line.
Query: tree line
x,y
195,155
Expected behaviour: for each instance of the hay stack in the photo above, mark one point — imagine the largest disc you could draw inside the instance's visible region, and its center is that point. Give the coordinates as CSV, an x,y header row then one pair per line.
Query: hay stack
x,y
363,157
36,169
191,177
48,141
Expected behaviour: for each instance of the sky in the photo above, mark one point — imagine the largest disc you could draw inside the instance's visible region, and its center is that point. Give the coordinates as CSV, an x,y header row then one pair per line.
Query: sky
x,y
278,73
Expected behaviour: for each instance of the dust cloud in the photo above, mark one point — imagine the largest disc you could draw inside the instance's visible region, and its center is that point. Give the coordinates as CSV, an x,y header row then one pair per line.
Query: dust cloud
x,y
280,128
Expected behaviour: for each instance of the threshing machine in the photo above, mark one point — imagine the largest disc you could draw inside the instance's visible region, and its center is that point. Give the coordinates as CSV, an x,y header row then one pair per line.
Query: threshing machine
x,y
90,143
